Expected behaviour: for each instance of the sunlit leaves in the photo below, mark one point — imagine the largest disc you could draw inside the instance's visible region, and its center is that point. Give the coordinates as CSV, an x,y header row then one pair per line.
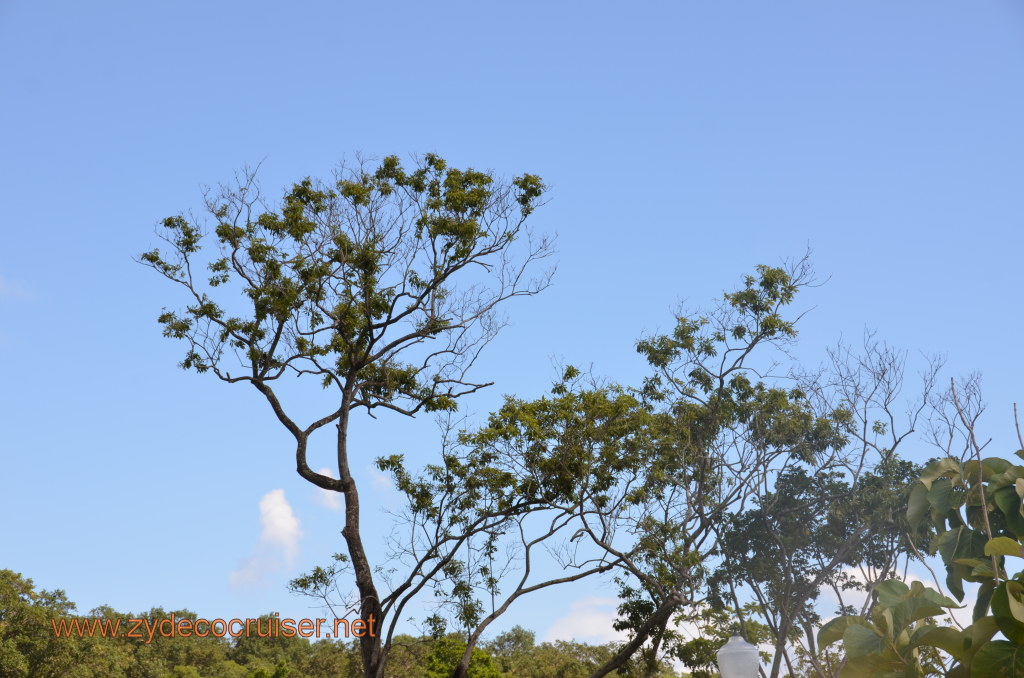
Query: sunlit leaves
x,y
335,274
893,639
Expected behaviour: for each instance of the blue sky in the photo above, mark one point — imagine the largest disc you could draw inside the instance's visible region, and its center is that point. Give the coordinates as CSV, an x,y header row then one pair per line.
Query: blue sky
x,y
685,143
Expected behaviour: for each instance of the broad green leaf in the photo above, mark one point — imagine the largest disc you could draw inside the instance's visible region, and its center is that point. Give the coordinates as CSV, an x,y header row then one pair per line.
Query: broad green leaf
x,y
1003,546
833,630
998,659
938,599
1008,610
910,611
1010,505
940,496
945,545
938,468
1014,591
884,622
959,544
948,640
982,631
891,592
917,504
872,666
990,467
1007,478
982,573
982,602
954,583
860,640
995,464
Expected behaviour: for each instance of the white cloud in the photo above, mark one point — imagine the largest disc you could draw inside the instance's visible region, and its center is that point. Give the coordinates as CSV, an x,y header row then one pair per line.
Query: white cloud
x,y
381,481
384,490
13,290
381,484
588,620
278,544
827,600
331,500
857,598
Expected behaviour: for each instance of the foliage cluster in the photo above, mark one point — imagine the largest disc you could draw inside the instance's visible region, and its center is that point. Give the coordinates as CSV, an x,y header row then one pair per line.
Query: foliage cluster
x,y
977,508
29,649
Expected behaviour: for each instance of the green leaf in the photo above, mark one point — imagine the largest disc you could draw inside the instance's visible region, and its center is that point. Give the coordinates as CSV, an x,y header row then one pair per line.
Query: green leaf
x,y
910,611
983,601
891,592
937,598
917,504
990,468
1003,546
1014,591
948,640
872,666
959,544
998,659
977,569
938,468
1009,503
995,465
954,583
1008,610
833,630
982,631
940,496
860,640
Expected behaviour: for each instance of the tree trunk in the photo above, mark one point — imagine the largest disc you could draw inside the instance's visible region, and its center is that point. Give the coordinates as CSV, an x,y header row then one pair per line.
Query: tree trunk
x,y
656,623
780,644
369,602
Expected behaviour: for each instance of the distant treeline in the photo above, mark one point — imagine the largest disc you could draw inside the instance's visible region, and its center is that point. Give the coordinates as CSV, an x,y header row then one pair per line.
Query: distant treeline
x,y
30,648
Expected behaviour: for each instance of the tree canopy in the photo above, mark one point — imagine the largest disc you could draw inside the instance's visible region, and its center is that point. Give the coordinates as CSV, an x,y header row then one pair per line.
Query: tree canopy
x,y
29,648
729,483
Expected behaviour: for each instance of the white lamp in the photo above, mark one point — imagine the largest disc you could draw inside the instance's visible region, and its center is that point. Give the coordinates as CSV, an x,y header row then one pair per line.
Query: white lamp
x,y
738,659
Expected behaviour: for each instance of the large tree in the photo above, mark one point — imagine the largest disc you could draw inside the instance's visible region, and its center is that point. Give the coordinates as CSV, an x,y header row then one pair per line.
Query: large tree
x,y
725,470
596,479
381,284
832,523
635,484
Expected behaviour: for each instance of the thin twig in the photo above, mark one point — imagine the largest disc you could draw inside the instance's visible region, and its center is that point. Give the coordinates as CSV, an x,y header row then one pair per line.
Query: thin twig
x,y
1016,423
981,477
